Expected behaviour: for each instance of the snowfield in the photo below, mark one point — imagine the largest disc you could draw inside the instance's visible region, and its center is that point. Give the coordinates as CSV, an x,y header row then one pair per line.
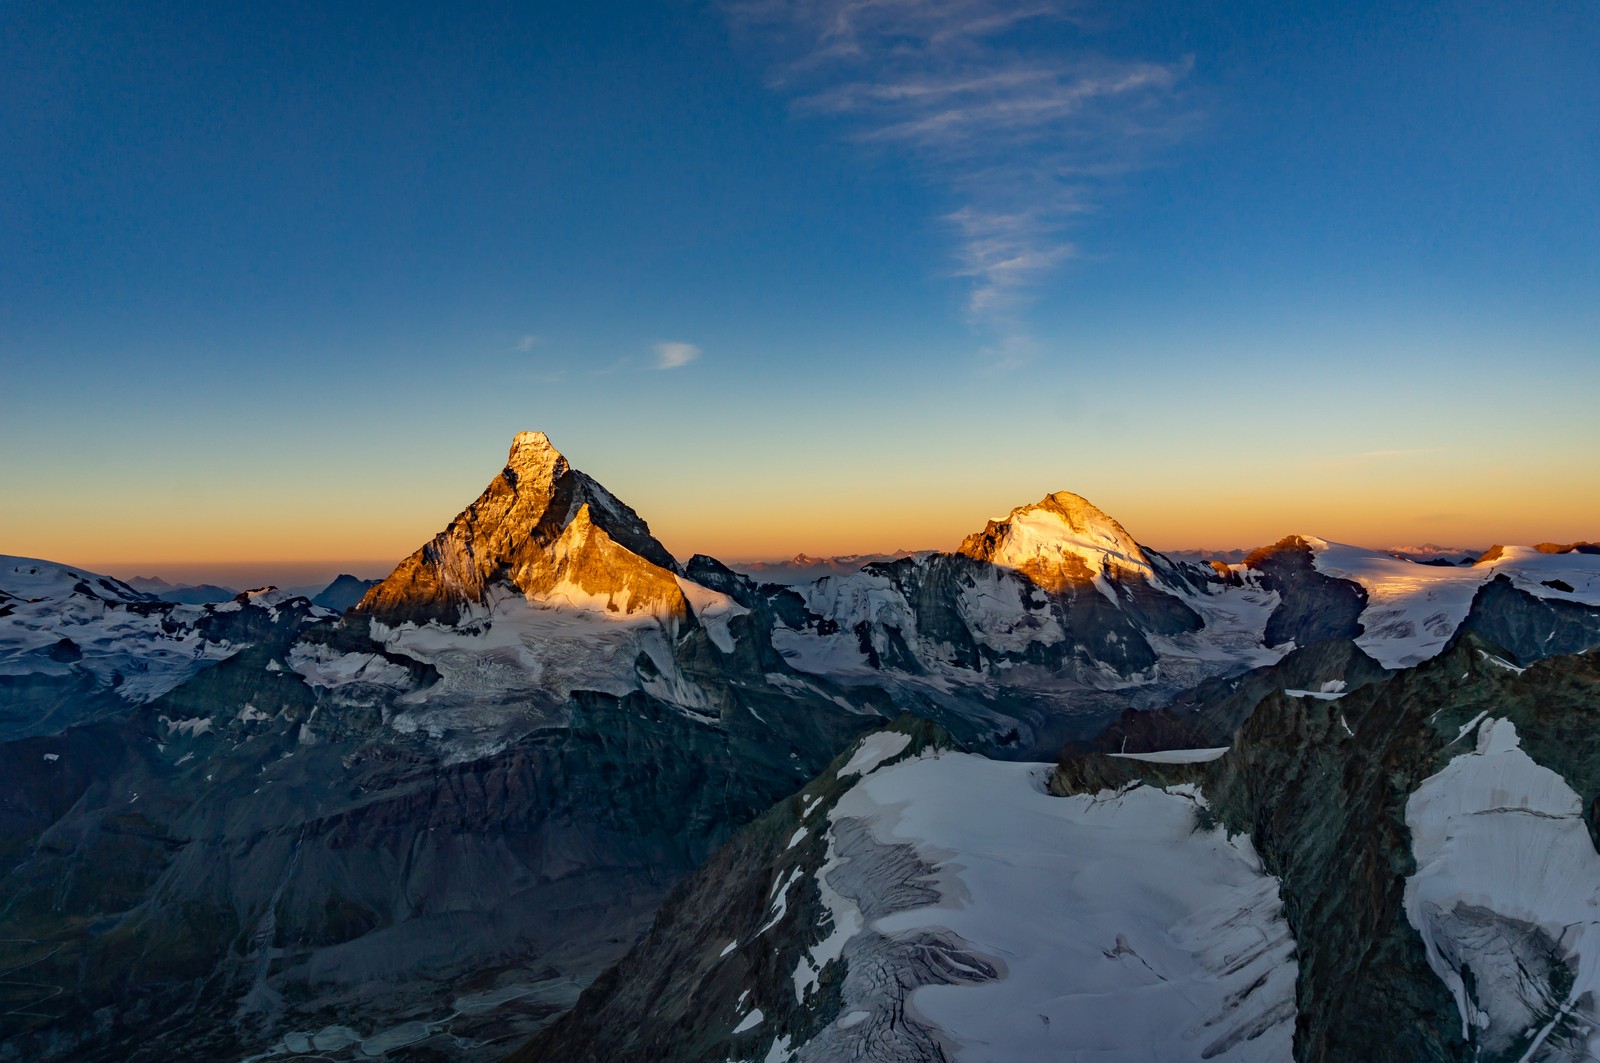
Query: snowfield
x,y
1106,927
126,640
1507,890
1413,609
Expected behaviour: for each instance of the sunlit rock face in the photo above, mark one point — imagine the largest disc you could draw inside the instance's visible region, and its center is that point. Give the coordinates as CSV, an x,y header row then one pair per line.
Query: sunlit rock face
x,y
1061,542
542,528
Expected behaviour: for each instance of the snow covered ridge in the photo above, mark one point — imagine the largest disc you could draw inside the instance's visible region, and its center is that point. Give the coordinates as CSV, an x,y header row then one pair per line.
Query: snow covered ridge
x,y
61,622
1413,609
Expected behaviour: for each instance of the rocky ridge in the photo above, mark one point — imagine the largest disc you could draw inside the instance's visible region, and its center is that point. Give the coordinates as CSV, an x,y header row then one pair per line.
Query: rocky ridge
x,y
425,825
532,530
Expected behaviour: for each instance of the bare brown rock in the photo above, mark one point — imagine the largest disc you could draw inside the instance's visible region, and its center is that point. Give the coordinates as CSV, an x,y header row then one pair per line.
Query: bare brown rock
x,y
541,527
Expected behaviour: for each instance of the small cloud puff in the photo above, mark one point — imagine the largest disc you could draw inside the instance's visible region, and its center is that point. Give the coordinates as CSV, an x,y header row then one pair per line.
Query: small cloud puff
x,y
675,355
527,343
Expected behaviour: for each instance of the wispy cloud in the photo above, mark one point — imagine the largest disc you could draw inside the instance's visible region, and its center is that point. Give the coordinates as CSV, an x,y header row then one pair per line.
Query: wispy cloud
x,y
1372,457
1018,136
1381,455
675,355
527,343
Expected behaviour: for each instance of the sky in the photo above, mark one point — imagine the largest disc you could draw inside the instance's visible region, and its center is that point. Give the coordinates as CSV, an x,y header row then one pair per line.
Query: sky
x,y
279,282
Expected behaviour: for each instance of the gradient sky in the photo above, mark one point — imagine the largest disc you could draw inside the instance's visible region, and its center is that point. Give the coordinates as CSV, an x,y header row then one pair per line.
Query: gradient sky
x,y
278,282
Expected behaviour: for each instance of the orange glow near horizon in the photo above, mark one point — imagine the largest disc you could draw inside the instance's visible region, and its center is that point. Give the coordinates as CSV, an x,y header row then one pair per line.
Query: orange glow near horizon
x,y
223,541
765,501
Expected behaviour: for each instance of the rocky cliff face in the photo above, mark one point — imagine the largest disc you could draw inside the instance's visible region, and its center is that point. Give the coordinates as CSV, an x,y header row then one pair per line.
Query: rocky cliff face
x,y
1312,607
531,530
1327,784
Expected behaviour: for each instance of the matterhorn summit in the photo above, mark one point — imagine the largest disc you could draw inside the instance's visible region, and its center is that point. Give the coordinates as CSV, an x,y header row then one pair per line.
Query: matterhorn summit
x,y
541,528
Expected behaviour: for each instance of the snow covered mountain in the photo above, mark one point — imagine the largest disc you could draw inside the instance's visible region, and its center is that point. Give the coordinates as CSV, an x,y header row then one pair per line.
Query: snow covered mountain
x,y
75,645
804,568
1349,878
1413,609
265,829
540,528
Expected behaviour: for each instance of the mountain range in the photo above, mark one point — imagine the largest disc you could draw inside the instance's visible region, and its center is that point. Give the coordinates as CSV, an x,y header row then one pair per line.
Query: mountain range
x,y
548,791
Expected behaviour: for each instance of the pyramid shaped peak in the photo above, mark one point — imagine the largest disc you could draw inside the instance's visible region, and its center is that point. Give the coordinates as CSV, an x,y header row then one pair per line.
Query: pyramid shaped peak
x,y
533,450
510,534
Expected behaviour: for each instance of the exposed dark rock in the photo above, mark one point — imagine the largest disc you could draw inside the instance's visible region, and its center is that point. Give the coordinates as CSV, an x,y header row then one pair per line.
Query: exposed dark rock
x,y
65,652
344,592
1314,607
1529,627
671,997
1208,715
1321,787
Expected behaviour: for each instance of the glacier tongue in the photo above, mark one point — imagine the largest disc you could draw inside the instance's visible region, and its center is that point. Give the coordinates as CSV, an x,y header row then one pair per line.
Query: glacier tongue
x,y
1506,896
1145,939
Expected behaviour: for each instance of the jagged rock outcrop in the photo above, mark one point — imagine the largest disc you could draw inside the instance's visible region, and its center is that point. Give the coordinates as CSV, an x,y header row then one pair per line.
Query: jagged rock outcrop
x,y
1208,714
1313,607
541,527
1529,627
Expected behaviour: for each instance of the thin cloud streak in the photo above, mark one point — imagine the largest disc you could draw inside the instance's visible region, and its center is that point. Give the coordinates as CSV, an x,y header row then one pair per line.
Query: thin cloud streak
x,y
1016,137
675,355
1369,457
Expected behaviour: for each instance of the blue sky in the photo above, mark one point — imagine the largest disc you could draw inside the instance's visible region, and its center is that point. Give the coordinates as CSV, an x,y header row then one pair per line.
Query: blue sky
x,y
280,281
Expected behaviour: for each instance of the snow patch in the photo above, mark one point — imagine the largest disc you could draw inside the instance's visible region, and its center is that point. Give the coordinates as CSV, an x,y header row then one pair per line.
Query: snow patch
x,y
194,727
714,611
874,750
1176,756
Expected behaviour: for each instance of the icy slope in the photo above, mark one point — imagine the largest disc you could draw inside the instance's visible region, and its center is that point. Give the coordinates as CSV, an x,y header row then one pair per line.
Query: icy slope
x,y
917,903
1413,609
57,622
1104,927
1506,897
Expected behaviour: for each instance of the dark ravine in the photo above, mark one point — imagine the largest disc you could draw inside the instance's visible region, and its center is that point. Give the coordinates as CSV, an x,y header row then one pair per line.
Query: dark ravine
x,y
379,880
